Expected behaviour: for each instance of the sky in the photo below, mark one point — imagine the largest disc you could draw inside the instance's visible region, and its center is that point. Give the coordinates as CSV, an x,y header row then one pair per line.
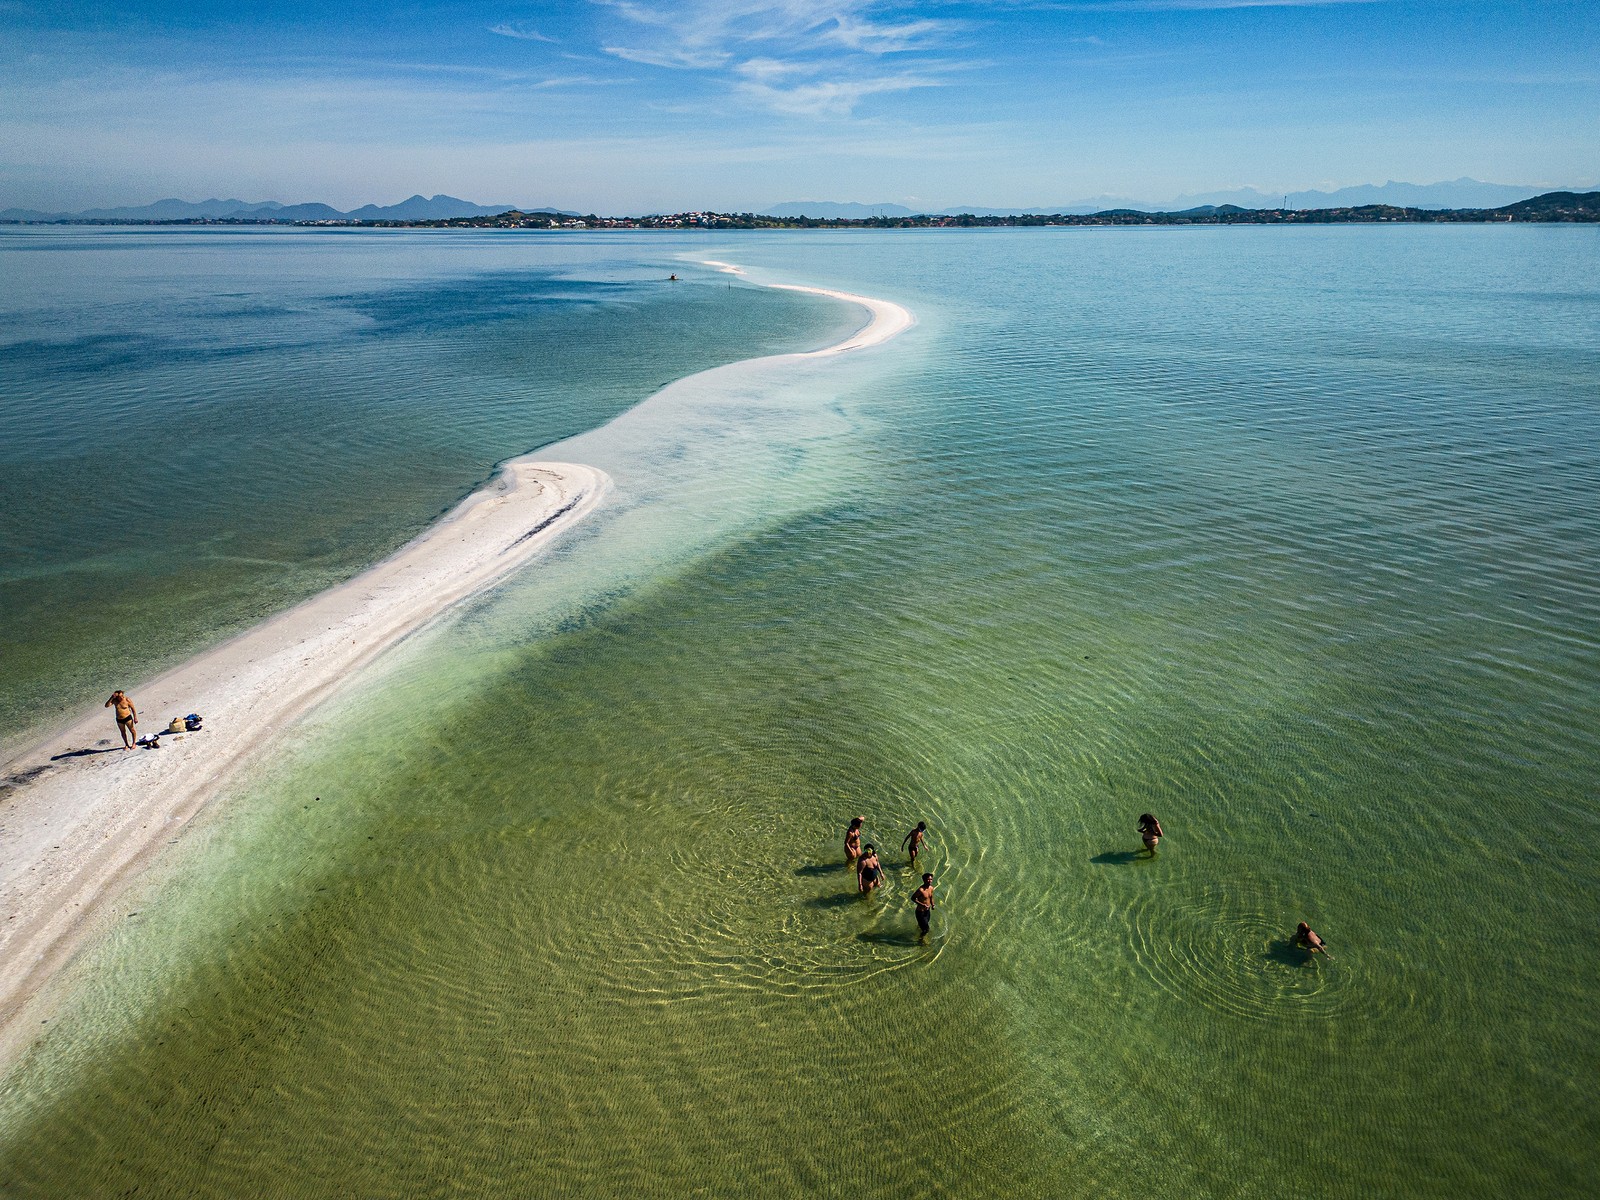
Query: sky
x,y
633,106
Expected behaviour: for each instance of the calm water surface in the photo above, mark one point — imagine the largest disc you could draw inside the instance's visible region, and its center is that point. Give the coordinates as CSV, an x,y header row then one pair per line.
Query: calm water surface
x,y
204,427
1288,536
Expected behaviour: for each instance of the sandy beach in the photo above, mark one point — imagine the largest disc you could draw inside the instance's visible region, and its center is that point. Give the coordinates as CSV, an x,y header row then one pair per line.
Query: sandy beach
x,y
888,318
80,816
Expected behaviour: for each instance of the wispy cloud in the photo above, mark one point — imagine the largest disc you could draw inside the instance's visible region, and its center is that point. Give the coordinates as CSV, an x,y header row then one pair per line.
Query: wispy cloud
x,y
769,70
522,33
1113,6
833,98
796,57
684,58
877,37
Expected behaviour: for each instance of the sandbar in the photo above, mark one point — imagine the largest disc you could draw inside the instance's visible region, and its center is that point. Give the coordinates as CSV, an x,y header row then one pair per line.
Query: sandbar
x,y
888,319
79,816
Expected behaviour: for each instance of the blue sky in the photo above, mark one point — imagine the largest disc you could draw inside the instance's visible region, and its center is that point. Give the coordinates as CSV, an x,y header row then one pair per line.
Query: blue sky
x,y
652,105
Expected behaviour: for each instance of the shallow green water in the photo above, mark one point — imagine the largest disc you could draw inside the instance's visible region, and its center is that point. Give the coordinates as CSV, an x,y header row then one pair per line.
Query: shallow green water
x,y
1287,536
204,427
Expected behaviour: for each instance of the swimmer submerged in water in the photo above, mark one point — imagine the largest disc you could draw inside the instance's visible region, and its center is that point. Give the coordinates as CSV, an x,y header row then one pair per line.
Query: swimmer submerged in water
x,y
1149,831
1305,936
869,873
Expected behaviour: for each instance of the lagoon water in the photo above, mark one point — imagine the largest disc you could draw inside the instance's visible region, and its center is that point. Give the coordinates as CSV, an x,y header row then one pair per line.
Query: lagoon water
x,y
1288,536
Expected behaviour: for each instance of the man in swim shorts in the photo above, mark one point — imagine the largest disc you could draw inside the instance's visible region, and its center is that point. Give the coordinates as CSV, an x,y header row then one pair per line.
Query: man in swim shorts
x,y
869,872
913,840
923,899
127,718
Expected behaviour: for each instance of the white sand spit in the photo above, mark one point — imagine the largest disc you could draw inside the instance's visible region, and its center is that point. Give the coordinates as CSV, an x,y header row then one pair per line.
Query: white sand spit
x,y
888,318
79,815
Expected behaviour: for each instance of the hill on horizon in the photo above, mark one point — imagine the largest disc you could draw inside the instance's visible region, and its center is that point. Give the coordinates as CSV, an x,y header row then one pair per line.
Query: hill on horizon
x,y
1455,193
415,208
1556,205
832,210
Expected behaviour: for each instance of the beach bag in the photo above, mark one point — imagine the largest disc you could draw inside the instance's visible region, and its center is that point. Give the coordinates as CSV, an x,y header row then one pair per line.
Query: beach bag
x,y
175,725
192,722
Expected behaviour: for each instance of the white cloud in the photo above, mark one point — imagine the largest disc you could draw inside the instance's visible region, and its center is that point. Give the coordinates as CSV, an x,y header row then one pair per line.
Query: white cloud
x,y
685,59
767,70
882,38
833,98
829,53
1184,5
522,33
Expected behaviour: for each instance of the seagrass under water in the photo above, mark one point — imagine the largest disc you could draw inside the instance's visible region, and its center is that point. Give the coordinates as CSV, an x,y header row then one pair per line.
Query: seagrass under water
x,y
1287,536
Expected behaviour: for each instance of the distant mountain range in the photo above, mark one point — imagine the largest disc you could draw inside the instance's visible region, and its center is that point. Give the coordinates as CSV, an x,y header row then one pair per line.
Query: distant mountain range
x,y
1457,193
417,208
828,210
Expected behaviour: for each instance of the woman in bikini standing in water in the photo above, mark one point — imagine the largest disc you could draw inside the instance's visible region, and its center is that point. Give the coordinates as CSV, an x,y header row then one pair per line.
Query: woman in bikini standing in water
x,y
869,873
852,840
1149,831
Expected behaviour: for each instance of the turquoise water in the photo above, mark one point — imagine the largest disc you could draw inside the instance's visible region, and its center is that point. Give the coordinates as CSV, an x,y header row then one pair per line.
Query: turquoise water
x,y
1287,536
204,427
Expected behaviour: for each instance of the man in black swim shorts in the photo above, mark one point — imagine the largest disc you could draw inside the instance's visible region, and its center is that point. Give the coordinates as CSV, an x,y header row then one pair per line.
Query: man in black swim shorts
x,y
923,899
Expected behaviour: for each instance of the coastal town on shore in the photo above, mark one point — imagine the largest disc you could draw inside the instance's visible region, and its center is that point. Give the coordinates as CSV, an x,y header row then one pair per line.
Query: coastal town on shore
x,y
1551,207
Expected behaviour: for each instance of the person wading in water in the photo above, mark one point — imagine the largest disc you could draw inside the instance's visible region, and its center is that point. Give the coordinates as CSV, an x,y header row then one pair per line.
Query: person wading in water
x,y
869,873
923,899
852,840
913,840
1149,831
1305,936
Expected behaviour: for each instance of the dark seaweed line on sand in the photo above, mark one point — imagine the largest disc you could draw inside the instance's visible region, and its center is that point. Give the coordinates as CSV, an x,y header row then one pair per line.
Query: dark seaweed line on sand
x,y
547,522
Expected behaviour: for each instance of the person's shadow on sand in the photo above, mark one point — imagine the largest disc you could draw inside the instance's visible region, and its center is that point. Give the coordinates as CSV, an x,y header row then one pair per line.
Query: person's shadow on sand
x,y
82,753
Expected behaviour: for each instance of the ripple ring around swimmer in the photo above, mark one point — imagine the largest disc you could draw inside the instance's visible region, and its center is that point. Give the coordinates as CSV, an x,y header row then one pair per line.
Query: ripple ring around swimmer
x,y
1227,948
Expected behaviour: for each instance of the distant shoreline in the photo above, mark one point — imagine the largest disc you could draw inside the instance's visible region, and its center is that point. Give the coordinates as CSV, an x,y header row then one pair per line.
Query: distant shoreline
x,y
1550,208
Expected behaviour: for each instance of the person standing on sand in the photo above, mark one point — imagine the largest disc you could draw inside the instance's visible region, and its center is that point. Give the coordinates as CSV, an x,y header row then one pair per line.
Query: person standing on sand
x,y
852,840
913,840
923,899
1149,831
127,718
869,873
